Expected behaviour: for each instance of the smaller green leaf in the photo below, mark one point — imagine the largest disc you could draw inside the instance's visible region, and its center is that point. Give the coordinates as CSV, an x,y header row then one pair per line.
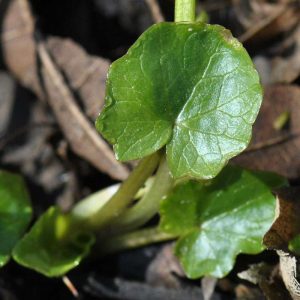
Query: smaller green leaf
x,y
219,220
294,245
15,211
42,250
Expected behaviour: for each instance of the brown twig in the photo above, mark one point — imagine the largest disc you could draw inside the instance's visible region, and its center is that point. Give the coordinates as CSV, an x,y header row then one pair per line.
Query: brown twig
x,y
155,11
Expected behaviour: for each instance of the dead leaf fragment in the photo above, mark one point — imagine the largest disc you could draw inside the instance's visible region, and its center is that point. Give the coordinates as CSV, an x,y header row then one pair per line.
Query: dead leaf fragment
x,y
267,278
286,69
86,74
18,45
284,228
244,292
271,149
289,271
83,138
264,20
163,269
208,285
286,224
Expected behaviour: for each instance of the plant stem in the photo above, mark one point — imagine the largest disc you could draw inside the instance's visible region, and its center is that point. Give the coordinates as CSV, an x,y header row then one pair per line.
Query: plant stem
x,y
185,10
134,239
125,194
148,206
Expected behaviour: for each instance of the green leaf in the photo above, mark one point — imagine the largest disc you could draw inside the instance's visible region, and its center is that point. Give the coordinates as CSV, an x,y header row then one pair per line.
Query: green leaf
x,y
294,245
219,220
41,249
15,212
189,87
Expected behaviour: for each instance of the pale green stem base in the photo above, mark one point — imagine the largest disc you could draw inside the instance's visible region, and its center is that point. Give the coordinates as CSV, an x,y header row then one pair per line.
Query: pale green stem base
x,y
100,208
135,239
148,206
120,201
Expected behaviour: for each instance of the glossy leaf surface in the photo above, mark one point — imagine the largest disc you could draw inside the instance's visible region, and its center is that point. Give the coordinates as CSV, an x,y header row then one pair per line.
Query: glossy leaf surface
x,y
189,87
219,220
42,250
15,212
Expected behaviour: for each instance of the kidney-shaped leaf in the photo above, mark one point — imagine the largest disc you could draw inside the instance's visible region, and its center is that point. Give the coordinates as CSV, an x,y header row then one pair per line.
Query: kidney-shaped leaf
x,y
219,220
15,212
41,248
191,87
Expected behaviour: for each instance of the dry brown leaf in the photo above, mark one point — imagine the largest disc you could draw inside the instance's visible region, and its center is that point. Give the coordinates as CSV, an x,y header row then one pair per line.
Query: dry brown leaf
x,y
18,45
85,74
287,69
83,138
267,278
288,268
286,224
244,292
20,54
284,228
208,286
162,270
271,149
264,20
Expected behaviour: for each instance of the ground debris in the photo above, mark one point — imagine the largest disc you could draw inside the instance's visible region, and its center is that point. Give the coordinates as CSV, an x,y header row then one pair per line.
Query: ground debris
x,y
271,149
129,290
20,48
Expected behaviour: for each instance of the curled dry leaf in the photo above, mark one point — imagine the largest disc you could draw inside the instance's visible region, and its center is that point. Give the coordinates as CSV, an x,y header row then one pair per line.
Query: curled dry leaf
x,y
288,268
82,73
18,45
272,149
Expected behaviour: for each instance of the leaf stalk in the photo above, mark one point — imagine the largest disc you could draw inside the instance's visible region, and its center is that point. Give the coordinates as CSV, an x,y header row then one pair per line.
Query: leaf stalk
x,y
185,10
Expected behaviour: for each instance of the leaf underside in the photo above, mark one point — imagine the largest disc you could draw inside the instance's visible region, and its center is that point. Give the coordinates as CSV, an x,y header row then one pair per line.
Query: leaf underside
x,y
15,212
217,221
41,250
189,87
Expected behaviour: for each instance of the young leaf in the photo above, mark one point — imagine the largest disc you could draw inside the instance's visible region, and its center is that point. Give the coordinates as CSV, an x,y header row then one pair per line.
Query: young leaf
x,y
219,220
42,250
189,87
15,210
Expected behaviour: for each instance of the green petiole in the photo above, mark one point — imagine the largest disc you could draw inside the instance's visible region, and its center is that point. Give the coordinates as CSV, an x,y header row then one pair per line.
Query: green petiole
x,y
185,10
